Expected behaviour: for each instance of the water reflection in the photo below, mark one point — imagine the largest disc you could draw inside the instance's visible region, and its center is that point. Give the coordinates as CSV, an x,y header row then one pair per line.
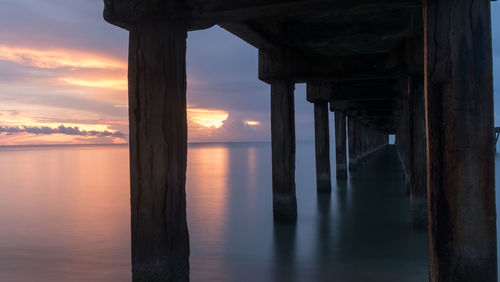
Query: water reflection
x,y
323,226
252,172
208,188
65,217
207,197
324,235
284,235
64,214
375,234
359,232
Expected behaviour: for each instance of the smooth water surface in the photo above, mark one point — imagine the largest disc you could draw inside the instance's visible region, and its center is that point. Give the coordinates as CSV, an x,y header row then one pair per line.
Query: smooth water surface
x,y
64,216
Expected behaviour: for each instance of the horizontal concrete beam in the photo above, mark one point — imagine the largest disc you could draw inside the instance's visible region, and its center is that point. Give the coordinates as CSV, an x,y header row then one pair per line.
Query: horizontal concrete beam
x,y
253,34
201,14
384,120
390,105
281,64
319,91
352,91
238,11
363,91
388,112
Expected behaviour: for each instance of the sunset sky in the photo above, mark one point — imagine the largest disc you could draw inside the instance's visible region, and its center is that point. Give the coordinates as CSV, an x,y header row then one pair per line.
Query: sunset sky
x,y
63,79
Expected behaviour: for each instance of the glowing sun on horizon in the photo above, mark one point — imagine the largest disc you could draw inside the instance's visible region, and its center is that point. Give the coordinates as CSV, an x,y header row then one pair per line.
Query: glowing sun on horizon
x,y
252,122
206,117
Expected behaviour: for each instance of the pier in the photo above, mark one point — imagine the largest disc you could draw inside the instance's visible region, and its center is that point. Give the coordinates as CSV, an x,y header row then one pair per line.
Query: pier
x,y
421,70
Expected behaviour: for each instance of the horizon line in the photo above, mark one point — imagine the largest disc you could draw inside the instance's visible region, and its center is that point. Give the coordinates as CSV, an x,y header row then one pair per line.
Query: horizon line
x,y
127,144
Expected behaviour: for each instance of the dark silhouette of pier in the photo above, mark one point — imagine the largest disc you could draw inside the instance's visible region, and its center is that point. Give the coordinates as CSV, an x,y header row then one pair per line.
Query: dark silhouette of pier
x,y
421,70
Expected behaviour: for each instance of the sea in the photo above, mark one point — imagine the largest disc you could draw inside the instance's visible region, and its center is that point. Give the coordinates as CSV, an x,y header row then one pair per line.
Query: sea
x,y
65,216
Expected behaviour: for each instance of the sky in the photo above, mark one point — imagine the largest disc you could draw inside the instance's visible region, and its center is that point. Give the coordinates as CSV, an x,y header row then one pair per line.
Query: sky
x,y
63,79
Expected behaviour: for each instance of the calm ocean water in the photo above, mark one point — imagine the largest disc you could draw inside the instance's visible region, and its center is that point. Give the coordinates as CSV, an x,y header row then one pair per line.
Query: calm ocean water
x,y
64,216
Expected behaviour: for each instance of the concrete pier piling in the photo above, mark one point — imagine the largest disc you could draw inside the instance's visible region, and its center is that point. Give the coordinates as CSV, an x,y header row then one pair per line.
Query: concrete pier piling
x,y
283,150
322,145
418,153
353,160
319,94
340,145
158,151
461,165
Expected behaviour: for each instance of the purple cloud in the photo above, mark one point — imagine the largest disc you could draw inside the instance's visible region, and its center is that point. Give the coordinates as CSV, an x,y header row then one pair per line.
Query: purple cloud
x,y
74,131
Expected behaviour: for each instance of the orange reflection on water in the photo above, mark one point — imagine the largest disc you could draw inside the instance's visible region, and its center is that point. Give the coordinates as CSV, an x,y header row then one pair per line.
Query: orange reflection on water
x,y
207,200
64,213
252,172
207,185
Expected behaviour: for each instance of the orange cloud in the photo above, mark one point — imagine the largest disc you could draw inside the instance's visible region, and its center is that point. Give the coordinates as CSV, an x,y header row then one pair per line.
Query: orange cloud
x,y
57,58
252,122
206,117
32,139
117,84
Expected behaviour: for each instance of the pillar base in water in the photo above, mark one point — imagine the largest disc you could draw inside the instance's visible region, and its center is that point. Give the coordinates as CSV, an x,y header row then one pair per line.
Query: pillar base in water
x,y
324,184
419,213
284,209
341,172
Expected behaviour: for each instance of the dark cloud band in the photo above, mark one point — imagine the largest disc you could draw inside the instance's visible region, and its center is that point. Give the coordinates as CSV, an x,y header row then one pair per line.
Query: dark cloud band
x,y
74,131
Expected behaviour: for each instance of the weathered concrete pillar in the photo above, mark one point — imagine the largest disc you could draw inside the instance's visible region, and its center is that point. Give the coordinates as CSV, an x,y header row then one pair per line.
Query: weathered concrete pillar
x,y
418,147
340,144
363,140
158,151
319,94
370,140
283,150
379,143
459,107
322,145
373,144
399,142
358,143
366,141
405,132
351,138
